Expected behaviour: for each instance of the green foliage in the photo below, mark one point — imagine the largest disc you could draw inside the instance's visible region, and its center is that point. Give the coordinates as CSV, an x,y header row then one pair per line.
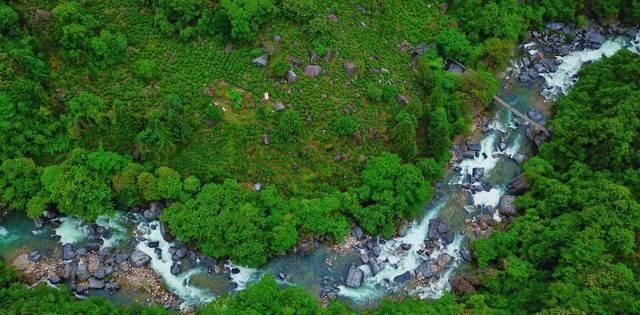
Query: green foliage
x,y
390,191
246,16
453,44
374,92
289,126
146,70
19,181
403,135
86,114
109,48
192,184
345,126
8,18
265,297
299,10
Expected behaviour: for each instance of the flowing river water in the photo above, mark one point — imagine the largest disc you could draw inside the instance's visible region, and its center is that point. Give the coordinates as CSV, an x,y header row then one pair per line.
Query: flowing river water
x,y
194,285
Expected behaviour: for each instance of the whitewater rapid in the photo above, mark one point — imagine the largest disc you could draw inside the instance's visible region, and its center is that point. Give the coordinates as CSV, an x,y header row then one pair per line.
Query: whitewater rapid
x,y
559,82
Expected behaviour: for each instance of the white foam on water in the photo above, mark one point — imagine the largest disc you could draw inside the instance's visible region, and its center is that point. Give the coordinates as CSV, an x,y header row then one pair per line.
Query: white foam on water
x,y
3,232
72,230
244,277
178,284
488,198
487,146
564,78
437,286
117,230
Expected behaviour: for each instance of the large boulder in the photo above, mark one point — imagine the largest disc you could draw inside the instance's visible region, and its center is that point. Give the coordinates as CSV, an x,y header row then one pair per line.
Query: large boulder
x,y
81,272
425,269
461,286
291,76
354,277
139,258
403,277
261,61
507,206
67,252
96,284
34,256
175,268
312,70
518,185
350,68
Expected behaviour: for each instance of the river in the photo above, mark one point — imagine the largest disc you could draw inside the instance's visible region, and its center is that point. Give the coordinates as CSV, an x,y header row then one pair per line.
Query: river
x,y
397,257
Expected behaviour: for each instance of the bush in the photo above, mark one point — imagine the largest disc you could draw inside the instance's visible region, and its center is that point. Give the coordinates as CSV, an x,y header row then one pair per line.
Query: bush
x,y
109,48
145,69
289,126
8,18
345,126
299,10
247,16
374,92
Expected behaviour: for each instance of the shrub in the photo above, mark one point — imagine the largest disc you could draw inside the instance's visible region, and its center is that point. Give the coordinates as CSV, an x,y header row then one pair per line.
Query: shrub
x,y
345,126
374,92
145,69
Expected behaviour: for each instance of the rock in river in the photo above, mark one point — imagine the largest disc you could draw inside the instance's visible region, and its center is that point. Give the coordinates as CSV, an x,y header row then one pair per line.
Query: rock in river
x,y
139,258
403,277
507,206
67,252
354,277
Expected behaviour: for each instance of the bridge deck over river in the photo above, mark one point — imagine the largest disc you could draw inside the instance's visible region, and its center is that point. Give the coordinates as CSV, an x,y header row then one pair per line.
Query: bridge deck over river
x,y
512,109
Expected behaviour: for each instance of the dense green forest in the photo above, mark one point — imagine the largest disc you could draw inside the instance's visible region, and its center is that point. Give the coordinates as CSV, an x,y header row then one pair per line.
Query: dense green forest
x,y
108,105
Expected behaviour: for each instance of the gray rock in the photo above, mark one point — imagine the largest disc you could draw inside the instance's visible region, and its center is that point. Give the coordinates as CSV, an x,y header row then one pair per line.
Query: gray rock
x,y
139,258
507,206
554,26
96,284
403,277
357,232
350,68
465,253
374,266
364,257
100,273
122,257
153,244
595,37
425,269
405,246
519,158
69,271
112,286
34,256
54,279
291,76
477,172
278,106
67,252
518,185
261,61
403,99
354,277
312,70
443,259
179,253
376,251
81,272
175,268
